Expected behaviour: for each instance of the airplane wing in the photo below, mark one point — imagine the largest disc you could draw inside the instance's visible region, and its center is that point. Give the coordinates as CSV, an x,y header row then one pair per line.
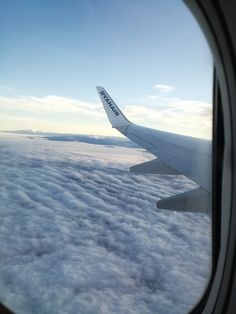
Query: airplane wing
x,y
177,154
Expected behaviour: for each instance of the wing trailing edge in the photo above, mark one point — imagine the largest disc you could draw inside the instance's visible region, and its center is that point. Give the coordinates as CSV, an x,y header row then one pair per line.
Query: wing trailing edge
x,y
197,200
155,166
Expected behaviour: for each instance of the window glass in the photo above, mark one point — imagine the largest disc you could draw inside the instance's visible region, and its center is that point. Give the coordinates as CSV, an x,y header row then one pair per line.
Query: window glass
x,y
86,226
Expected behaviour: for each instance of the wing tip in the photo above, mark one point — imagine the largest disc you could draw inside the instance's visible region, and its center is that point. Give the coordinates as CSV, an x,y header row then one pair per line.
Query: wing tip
x,y
115,115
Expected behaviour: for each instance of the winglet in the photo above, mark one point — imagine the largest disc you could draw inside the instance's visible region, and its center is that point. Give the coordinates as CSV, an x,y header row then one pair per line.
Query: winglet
x,y
114,114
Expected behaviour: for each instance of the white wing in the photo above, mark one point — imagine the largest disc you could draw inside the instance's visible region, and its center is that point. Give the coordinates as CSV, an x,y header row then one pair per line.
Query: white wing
x,y
176,154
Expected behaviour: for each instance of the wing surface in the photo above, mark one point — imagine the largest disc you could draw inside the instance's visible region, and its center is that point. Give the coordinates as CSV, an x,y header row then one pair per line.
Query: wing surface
x,y
184,154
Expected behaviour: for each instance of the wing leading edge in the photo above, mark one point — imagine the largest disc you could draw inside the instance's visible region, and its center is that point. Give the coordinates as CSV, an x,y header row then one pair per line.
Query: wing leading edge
x,y
176,154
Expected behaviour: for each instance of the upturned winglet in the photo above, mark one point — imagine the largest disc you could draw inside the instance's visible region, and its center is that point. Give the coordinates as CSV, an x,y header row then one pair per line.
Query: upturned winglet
x,y
114,114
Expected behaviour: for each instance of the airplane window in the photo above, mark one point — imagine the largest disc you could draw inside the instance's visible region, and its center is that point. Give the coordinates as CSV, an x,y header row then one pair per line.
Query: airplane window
x,y
105,157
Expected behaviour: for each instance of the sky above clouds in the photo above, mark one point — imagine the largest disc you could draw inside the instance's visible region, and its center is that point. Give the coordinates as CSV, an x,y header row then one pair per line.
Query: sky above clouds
x,y
151,57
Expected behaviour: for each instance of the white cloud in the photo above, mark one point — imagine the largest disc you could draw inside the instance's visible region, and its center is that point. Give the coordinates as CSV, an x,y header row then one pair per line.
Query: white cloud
x,y
54,114
161,88
140,113
61,114
193,118
50,104
88,236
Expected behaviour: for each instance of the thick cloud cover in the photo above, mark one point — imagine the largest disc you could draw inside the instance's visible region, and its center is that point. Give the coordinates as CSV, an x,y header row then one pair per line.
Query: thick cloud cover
x,y
80,234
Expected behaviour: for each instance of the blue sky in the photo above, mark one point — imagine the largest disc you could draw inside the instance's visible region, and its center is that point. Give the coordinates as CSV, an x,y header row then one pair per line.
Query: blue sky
x,y
65,48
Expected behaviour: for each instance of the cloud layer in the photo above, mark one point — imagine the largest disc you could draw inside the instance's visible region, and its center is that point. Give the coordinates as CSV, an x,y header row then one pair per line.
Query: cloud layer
x,y
80,234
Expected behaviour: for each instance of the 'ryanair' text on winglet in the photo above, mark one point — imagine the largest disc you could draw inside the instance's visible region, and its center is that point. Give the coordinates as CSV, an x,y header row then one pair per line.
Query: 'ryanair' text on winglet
x,y
114,114
110,104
